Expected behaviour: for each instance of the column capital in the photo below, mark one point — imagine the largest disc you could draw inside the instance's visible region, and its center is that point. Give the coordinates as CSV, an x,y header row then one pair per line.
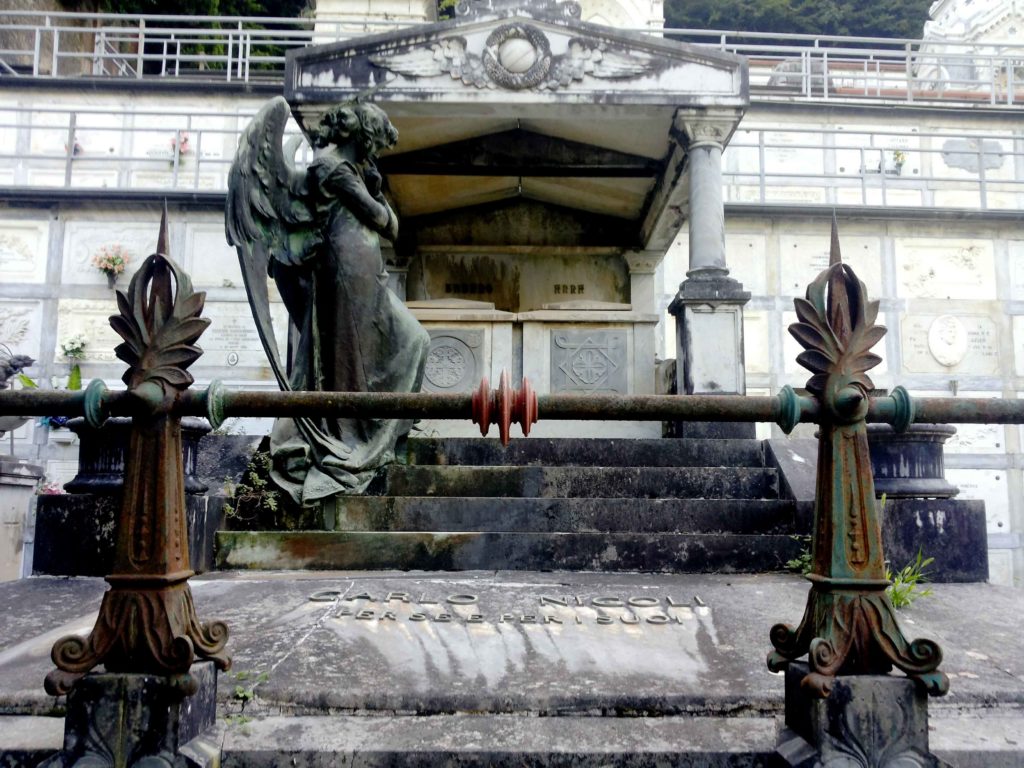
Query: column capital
x,y
643,262
705,127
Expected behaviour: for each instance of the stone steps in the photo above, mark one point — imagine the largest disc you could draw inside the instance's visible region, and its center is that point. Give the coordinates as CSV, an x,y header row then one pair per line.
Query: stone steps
x,y
613,452
460,551
583,515
686,505
578,482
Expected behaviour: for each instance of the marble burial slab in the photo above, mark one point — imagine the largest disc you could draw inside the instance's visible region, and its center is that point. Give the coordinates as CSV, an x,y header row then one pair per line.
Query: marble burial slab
x,y
962,344
23,251
1015,257
945,269
209,259
788,152
803,257
872,150
20,325
232,340
990,486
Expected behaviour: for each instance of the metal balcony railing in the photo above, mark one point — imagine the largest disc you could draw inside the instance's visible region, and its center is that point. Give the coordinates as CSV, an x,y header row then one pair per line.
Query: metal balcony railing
x,y
236,49
149,150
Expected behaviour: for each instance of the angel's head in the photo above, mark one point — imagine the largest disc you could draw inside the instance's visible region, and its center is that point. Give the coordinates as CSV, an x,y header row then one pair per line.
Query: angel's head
x,y
365,126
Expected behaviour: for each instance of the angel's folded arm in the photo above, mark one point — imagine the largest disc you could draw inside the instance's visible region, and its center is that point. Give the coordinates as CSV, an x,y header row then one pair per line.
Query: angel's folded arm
x,y
345,183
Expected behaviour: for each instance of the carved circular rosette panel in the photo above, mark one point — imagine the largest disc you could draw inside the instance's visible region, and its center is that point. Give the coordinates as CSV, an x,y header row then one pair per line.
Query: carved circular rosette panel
x,y
517,56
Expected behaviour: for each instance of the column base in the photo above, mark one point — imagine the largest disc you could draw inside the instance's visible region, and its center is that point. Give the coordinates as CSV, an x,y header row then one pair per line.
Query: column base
x,y
125,719
709,335
865,720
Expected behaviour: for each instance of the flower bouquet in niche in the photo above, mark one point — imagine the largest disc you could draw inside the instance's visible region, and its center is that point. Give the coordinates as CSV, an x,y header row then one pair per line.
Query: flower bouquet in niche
x,y
111,260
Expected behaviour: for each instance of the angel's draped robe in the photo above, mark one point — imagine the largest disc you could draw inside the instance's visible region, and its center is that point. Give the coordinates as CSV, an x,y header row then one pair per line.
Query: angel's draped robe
x,y
350,333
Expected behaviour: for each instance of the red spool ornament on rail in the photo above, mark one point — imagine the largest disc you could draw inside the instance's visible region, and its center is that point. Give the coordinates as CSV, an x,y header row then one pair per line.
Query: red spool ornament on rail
x,y
506,406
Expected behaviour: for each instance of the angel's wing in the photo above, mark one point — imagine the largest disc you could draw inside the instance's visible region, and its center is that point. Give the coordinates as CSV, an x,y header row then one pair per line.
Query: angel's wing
x,y
268,216
584,57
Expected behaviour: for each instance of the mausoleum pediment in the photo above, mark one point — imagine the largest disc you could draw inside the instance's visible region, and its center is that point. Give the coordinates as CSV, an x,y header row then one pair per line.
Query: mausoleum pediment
x,y
523,101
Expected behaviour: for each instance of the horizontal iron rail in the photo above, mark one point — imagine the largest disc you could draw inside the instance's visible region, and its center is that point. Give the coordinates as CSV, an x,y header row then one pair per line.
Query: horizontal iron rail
x,y
774,408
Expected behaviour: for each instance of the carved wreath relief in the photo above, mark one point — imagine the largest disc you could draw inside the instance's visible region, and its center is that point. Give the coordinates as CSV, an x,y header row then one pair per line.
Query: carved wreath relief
x,y
517,56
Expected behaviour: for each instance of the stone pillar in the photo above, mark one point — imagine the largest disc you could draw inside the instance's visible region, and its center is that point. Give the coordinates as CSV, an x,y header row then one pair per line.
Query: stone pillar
x,y
709,305
18,481
642,266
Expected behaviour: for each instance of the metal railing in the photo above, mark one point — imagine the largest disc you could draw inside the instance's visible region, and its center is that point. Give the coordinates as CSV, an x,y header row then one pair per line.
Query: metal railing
x,y
164,151
237,49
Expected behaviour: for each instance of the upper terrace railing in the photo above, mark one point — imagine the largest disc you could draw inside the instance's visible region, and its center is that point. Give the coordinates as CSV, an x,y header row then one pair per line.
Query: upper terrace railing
x,y
233,49
164,151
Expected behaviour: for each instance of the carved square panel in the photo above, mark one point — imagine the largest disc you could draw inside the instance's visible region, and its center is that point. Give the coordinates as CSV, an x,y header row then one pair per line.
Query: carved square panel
x,y
455,361
589,361
20,325
23,249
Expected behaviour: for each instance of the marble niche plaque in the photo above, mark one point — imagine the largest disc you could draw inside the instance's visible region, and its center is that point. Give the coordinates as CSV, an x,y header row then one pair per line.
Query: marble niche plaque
x,y
454,361
20,323
803,257
945,269
990,486
756,342
589,361
23,247
967,344
745,257
232,340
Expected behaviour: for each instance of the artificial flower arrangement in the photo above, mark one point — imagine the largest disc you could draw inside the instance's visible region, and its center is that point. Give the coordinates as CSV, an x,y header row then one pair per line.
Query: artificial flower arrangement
x,y
111,260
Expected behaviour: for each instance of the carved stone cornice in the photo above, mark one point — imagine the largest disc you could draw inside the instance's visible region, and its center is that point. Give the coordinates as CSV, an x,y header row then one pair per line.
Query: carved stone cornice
x,y
643,262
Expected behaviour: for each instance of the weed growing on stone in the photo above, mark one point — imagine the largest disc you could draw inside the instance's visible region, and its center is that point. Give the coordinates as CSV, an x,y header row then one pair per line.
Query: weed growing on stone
x,y
905,585
802,562
254,497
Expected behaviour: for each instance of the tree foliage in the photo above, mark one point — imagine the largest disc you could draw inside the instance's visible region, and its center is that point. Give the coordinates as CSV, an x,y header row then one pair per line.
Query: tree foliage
x,y
860,18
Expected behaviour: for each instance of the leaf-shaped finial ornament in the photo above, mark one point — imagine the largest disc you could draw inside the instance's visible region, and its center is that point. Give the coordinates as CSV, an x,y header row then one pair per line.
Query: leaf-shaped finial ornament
x,y
160,320
837,331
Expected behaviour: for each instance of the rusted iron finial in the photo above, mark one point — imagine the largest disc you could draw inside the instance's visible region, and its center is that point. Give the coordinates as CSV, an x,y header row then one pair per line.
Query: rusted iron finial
x,y
849,625
147,622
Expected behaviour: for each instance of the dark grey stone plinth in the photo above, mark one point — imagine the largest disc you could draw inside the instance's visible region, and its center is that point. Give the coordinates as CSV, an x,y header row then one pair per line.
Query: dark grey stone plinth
x,y
867,720
910,464
123,720
76,534
953,531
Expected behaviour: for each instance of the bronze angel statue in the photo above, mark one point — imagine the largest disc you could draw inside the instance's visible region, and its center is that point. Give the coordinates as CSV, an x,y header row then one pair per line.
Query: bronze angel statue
x,y
317,233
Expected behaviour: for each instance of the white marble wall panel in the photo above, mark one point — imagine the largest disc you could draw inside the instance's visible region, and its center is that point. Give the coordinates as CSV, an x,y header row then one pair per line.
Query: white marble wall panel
x,y
82,175
945,268
23,247
91,318
789,152
795,194
1015,260
745,257
960,157
803,257
1000,567
953,344
1017,324
756,345
209,258
20,325
874,194
972,438
990,486
83,239
870,150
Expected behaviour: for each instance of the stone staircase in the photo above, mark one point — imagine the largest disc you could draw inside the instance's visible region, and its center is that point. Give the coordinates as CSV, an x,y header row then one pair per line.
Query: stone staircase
x,y
684,505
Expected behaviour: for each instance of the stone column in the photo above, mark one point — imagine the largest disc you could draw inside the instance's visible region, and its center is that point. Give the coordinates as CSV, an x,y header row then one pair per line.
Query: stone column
x,y
642,266
709,305
642,297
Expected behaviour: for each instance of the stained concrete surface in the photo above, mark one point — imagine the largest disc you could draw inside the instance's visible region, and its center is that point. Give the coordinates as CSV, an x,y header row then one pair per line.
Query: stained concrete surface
x,y
305,646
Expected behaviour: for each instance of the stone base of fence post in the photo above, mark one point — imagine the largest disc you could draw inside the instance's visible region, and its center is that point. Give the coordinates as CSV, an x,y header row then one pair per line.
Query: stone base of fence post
x,y
866,720
125,719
